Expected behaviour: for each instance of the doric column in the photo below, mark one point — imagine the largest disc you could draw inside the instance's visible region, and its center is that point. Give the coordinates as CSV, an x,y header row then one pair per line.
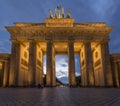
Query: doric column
x,y
106,64
6,74
71,63
89,64
14,64
53,71
41,70
118,72
39,67
49,64
32,63
50,72
115,74
1,73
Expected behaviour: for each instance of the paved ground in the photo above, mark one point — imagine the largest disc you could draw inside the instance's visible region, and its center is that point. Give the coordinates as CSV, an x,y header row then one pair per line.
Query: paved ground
x,y
59,97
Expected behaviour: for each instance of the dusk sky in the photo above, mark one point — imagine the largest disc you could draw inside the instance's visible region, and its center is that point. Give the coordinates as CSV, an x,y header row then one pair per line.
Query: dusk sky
x,y
81,10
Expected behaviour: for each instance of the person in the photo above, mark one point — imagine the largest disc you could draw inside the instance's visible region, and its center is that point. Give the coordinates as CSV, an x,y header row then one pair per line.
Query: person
x,y
39,86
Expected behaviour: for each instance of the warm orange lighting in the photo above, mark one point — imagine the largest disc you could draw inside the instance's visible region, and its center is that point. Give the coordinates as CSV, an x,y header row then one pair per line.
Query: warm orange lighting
x,y
0,65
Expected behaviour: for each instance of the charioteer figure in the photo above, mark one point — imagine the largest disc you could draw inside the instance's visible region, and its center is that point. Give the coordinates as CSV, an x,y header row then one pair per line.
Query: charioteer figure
x,y
50,12
59,13
68,14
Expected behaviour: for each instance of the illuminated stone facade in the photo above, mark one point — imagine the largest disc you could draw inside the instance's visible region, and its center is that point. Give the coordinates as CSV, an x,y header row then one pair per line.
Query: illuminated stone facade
x,y
30,41
4,69
115,64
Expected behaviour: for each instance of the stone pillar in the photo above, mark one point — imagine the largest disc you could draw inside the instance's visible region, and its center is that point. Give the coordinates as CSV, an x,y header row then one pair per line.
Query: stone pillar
x,y
32,63
53,71
89,64
49,64
41,70
39,73
115,73
6,74
106,64
1,73
71,63
14,64
50,75
118,72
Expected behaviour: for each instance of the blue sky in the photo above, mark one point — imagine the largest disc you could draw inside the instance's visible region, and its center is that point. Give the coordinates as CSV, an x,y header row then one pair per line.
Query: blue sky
x,y
81,10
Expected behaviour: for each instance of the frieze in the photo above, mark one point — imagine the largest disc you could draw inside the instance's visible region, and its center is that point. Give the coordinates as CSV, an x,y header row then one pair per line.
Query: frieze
x,y
61,22
60,37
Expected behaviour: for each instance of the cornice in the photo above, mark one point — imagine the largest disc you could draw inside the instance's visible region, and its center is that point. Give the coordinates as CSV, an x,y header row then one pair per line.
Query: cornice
x,y
60,30
40,31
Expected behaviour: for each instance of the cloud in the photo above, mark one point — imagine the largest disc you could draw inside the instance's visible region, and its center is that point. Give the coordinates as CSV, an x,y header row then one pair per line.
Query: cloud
x,y
5,46
104,8
64,80
2,29
64,65
61,66
44,64
61,73
77,65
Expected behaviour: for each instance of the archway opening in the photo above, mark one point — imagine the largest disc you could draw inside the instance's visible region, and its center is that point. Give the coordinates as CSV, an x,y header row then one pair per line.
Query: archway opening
x,y
62,69
77,69
44,69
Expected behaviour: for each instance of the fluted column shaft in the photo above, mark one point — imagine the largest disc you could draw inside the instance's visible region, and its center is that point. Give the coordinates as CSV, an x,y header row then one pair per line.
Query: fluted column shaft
x,y
118,72
1,73
89,64
71,63
50,72
14,64
41,70
32,63
6,74
49,64
106,64
115,74
53,69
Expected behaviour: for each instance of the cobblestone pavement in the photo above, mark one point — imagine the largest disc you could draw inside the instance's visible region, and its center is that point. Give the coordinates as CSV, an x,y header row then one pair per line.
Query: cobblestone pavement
x,y
59,97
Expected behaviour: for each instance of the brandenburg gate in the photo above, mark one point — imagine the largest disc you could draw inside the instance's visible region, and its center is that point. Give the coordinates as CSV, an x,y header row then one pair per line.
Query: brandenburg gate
x,y
59,35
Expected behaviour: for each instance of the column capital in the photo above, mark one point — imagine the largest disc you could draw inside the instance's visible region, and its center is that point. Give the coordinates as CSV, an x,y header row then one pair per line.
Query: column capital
x,y
15,41
103,41
87,41
49,40
34,41
71,40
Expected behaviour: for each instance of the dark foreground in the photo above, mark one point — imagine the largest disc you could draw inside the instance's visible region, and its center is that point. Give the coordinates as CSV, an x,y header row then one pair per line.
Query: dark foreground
x,y
59,97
